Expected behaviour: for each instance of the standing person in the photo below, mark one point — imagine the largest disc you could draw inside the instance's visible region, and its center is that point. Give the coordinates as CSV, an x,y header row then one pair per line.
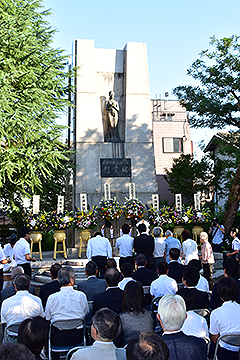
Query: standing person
x,y
3,261
144,244
98,250
171,242
217,231
236,242
125,246
159,252
21,251
207,258
190,249
8,251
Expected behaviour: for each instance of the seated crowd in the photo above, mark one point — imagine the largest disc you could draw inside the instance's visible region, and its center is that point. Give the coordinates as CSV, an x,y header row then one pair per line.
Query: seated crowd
x,y
119,320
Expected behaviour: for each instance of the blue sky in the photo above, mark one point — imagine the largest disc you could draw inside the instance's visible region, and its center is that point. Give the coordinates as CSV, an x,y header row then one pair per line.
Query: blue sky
x,y
174,31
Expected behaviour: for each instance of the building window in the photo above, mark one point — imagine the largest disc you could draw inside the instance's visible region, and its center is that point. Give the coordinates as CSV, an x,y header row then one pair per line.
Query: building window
x,y
172,145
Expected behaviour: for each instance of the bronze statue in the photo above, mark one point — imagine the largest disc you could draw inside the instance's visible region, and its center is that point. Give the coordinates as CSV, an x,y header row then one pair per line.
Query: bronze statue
x,y
112,109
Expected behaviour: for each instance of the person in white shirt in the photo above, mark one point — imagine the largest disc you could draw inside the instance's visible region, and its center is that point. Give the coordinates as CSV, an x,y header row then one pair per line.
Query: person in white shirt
x,y
66,304
21,251
194,324
164,284
235,243
126,271
225,319
203,284
190,249
22,305
8,252
98,250
159,252
125,246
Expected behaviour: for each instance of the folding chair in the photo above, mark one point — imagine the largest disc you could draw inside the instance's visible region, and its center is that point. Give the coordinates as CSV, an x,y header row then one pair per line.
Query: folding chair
x,y
154,308
11,333
72,351
230,339
203,312
64,325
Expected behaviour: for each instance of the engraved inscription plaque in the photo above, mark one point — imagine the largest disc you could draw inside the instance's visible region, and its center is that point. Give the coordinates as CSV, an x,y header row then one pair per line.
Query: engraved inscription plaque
x,y
115,167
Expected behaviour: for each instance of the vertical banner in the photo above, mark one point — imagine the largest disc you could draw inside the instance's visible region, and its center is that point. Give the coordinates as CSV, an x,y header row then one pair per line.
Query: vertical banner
x,y
132,193
197,205
107,192
178,202
60,205
155,201
83,202
26,203
36,203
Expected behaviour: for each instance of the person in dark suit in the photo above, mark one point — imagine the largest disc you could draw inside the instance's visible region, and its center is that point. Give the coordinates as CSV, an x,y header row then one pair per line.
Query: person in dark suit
x,y
112,296
143,275
175,268
144,244
53,286
10,290
92,285
190,280
230,268
172,314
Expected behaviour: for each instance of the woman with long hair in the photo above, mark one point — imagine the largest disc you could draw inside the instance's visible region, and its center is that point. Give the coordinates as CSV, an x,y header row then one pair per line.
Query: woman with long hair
x,y
134,318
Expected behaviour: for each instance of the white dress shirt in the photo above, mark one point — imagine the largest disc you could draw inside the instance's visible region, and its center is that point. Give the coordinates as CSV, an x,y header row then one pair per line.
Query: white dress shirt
x,y
225,320
21,306
20,249
66,304
163,285
203,284
236,244
125,245
159,247
98,246
190,250
124,282
195,325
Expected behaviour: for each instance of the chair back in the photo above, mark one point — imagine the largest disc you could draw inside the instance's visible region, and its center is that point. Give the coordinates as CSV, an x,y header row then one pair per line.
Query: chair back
x,y
154,304
146,289
72,351
230,339
71,324
11,333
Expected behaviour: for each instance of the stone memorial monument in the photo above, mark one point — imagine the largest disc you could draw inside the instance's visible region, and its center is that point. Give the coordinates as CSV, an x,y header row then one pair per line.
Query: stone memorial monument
x,y
113,125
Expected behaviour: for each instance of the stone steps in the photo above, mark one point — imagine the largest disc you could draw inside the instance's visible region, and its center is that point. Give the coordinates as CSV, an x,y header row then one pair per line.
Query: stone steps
x,y
41,270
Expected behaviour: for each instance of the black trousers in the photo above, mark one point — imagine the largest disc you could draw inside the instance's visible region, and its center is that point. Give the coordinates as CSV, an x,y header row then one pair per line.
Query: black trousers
x,y
123,260
101,262
217,247
208,274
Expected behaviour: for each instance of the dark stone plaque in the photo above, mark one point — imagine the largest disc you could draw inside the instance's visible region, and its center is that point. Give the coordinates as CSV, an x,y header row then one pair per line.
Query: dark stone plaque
x,y
115,167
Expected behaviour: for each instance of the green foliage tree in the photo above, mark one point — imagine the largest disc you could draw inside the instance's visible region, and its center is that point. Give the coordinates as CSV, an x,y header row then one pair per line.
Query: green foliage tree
x,y
187,176
33,88
215,103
